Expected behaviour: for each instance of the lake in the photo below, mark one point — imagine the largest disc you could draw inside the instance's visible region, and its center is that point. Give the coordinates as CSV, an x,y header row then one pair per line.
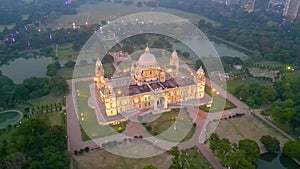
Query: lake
x,y
21,68
276,161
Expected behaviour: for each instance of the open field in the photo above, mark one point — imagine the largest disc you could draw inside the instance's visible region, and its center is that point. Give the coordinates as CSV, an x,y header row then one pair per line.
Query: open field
x,y
101,159
96,12
53,118
293,75
247,127
66,52
46,100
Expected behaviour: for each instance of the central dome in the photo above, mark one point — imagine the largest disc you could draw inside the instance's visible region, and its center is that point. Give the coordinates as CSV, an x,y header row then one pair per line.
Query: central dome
x,y
147,60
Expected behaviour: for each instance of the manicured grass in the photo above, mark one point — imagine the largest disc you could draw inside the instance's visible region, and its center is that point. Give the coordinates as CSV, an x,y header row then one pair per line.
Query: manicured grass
x,y
125,65
46,100
171,126
219,103
198,159
233,84
53,118
88,119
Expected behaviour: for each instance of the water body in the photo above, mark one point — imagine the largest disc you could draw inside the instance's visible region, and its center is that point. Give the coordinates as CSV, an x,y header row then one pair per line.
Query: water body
x,y
221,48
276,161
21,68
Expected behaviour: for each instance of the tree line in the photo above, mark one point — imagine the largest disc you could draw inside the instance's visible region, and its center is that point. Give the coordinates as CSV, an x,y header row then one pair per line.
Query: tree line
x,y
263,31
34,144
33,87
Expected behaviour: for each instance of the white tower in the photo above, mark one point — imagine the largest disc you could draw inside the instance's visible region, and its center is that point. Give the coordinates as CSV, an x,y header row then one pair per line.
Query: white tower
x,y
174,62
99,72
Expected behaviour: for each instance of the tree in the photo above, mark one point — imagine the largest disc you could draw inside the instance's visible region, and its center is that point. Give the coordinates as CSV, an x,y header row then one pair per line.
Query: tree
x,y
198,63
69,63
238,160
185,54
268,93
58,85
251,149
127,48
292,149
281,112
107,59
180,160
213,141
270,143
57,64
149,167
51,70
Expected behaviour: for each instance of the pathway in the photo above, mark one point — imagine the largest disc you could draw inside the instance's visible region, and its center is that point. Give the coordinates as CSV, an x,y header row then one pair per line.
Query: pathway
x,y
263,118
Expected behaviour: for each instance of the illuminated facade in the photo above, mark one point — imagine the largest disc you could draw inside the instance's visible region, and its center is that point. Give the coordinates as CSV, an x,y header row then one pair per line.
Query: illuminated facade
x,y
148,86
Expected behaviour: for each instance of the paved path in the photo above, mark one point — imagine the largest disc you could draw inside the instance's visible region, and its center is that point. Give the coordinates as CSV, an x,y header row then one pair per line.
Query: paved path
x,y
263,118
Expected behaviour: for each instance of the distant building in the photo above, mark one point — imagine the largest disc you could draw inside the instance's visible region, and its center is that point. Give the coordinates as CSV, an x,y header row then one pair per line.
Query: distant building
x,y
291,8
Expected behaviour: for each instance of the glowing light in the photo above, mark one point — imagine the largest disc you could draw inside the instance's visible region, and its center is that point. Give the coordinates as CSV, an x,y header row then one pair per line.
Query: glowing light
x,y
82,119
86,23
289,68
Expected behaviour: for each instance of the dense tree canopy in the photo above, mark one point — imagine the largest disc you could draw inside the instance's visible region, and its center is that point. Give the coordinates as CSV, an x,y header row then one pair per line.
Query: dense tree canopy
x,y
242,156
271,143
292,149
34,144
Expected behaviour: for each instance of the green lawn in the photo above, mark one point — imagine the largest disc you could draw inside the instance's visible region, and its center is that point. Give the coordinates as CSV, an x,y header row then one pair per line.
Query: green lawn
x,y
66,51
293,75
77,71
233,84
46,100
88,119
219,103
171,126
109,69
269,63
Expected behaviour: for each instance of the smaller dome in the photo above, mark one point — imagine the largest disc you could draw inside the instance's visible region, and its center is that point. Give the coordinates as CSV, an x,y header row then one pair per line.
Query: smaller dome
x,y
147,60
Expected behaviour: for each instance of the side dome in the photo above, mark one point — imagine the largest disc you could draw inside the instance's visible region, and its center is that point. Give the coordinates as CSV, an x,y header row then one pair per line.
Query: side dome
x,y
147,60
